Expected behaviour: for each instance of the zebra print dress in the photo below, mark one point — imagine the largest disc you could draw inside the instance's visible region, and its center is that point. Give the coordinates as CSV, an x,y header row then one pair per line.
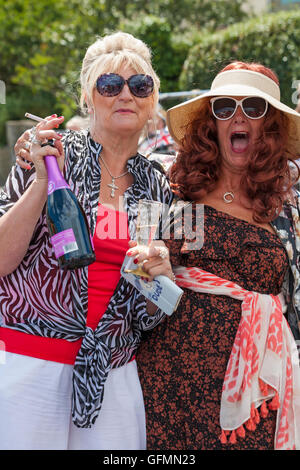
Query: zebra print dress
x,y
40,299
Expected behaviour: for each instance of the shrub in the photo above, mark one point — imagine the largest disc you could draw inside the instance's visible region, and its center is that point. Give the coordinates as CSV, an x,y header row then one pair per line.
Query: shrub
x,y
168,52
273,40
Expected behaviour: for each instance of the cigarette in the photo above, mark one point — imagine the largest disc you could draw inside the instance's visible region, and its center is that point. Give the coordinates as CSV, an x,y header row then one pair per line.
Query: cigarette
x,y
34,118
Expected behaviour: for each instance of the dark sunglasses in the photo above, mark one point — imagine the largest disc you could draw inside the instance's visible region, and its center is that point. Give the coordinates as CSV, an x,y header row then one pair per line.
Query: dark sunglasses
x,y
111,84
253,107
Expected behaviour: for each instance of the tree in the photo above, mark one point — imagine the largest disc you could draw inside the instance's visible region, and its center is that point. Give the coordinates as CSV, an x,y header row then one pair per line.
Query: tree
x,y
273,40
42,44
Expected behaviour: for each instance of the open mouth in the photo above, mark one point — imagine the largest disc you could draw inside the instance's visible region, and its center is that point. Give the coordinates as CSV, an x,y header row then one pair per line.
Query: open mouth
x,y
239,141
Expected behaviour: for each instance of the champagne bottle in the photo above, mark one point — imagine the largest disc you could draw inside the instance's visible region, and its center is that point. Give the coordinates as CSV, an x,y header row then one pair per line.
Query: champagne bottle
x,y
67,222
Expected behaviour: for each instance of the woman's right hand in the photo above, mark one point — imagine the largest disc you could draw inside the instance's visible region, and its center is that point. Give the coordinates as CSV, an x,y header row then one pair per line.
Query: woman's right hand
x,y
155,258
28,151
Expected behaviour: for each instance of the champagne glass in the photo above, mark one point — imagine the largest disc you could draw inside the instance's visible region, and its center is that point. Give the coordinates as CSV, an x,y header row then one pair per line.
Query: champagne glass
x,y
146,227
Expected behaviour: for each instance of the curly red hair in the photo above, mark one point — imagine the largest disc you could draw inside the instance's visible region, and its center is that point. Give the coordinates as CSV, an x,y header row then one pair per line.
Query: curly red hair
x,y
268,178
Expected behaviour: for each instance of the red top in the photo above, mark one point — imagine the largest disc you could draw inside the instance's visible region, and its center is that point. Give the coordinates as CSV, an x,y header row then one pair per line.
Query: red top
x,y
111,243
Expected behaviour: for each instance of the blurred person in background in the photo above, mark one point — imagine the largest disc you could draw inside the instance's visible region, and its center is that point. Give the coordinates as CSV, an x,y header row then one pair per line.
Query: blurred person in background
x,y
156,142
77,123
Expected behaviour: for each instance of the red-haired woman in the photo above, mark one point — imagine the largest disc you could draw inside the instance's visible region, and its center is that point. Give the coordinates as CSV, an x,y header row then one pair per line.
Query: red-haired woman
x,y
223,371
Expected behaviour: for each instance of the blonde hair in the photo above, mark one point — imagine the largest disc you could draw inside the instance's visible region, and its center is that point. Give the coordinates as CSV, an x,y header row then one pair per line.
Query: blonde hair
x,y
109,54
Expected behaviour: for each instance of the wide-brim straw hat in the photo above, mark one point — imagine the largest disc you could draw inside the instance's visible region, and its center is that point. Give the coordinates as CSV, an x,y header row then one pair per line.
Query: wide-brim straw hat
x,y
235,83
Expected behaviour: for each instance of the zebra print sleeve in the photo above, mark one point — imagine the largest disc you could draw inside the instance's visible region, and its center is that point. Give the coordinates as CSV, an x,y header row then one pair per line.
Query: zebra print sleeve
x,y
16,184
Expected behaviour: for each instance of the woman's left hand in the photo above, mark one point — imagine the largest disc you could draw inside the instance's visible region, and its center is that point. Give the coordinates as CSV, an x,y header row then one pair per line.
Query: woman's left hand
x,y
22,145
155,258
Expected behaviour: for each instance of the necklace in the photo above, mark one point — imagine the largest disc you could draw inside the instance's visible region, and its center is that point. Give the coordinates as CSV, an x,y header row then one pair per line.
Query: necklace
x,y
228,197
112,185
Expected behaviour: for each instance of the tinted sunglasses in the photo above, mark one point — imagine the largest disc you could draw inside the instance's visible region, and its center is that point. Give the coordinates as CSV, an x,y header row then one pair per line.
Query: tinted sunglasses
x,y
224,108
111,84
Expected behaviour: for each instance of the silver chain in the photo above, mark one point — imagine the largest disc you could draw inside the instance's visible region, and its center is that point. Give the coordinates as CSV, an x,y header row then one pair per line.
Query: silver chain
x,y
114,177
112,185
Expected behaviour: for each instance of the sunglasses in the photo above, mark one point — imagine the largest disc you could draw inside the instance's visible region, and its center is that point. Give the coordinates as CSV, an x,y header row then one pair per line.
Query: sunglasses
x,y
224,108
111,84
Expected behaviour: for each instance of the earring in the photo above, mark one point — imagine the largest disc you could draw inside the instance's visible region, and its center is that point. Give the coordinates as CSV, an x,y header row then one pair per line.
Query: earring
x,y
89,106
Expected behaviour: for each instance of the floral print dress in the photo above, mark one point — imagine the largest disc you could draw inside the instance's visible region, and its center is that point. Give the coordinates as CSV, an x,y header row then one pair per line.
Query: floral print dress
x,y
182,362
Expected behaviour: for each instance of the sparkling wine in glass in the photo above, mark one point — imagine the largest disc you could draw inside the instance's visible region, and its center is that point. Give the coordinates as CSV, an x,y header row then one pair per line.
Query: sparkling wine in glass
x,y
146,228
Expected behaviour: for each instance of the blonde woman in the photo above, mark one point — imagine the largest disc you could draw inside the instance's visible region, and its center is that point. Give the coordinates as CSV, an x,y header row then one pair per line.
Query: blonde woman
x,y
70,378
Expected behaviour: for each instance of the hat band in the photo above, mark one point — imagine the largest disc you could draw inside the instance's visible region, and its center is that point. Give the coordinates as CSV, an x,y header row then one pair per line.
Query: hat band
x,y
247,78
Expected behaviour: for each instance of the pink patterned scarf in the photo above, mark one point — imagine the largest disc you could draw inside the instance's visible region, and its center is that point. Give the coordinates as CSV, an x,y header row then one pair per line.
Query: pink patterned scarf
x,y
263,365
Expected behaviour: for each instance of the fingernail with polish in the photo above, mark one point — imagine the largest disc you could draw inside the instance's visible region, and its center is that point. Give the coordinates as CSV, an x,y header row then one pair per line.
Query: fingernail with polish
x,y
135,261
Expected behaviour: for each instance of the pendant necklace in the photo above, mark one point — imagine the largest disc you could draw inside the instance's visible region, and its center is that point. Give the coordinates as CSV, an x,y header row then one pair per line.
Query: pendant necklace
x,y
112,185
228,197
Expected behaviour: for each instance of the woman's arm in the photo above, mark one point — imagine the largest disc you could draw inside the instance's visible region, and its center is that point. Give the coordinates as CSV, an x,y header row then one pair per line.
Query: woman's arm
x,y
17,224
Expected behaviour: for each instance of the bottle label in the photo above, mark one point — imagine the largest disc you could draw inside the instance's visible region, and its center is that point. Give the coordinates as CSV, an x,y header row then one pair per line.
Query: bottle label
x,y
64,242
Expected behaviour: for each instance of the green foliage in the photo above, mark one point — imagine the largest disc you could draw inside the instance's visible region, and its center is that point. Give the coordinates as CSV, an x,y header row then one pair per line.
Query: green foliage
x,y
186,14
167,55
273,40
18,103
171,27
41,48
33,57
42,44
